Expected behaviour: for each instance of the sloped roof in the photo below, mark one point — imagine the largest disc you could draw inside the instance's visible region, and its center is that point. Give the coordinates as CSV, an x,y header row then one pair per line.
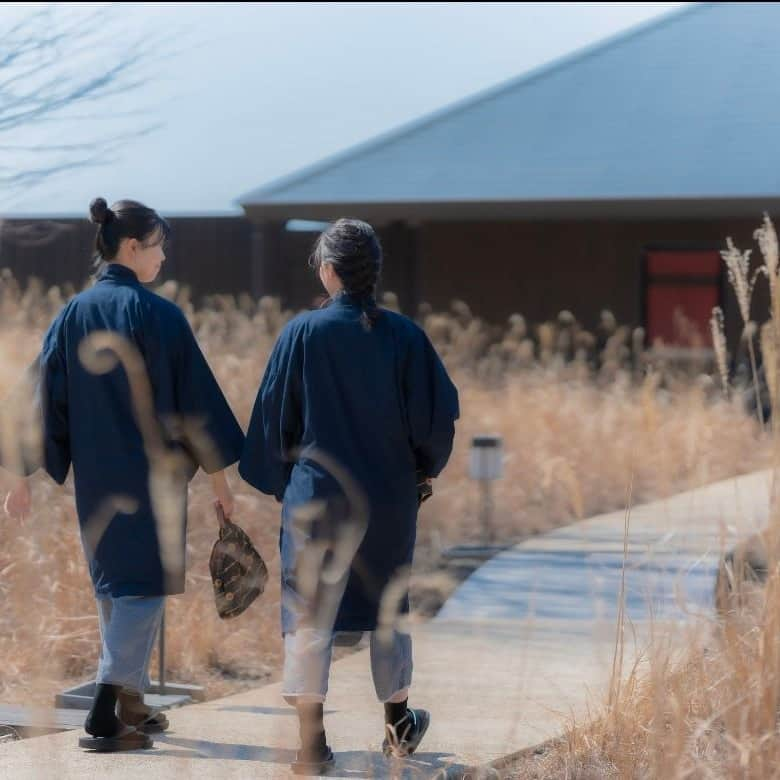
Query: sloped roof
x,y
683,111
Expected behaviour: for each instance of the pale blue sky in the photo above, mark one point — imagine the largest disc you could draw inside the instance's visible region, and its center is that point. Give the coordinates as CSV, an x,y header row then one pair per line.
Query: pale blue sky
x,y
255,91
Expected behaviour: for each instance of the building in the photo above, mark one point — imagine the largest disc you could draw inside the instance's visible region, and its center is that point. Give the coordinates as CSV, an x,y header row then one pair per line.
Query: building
x,y
610,178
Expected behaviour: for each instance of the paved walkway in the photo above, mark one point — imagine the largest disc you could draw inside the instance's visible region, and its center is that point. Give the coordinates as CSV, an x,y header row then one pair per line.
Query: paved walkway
x,y
525,643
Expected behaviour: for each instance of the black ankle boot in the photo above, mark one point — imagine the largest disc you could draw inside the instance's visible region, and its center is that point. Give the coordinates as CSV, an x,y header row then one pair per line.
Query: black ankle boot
x,y
403,736
102,720
395,711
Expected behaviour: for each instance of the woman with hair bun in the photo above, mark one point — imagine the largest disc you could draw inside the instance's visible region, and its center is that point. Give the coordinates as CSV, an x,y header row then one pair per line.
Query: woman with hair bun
x,y
127,398
354,416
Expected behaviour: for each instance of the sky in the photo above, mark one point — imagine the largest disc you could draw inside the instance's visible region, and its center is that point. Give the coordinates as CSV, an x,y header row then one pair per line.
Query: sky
x,y
240,94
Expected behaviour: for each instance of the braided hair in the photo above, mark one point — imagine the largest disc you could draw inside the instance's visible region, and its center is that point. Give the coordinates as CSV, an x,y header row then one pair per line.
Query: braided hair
x,y
352,247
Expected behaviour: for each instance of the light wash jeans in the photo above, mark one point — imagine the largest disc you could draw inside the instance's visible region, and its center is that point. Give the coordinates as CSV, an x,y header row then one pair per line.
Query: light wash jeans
x,y
128,628
307,656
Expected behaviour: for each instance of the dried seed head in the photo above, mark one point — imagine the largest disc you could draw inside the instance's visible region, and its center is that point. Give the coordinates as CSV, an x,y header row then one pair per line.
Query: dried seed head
x,y
767,242
738,267
608,321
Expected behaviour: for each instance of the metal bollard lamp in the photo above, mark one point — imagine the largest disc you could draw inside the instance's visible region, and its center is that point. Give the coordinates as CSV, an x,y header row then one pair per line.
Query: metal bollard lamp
x,y
486,465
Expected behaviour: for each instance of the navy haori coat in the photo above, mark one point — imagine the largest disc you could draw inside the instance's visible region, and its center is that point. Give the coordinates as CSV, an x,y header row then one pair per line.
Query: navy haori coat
x,y
135,435
344,419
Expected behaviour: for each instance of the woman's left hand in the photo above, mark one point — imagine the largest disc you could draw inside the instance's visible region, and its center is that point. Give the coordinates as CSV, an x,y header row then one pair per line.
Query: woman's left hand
x,y
19,500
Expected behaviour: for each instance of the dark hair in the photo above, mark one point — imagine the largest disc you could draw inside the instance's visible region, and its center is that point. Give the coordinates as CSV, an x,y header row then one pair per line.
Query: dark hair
x,y
352,247
125,219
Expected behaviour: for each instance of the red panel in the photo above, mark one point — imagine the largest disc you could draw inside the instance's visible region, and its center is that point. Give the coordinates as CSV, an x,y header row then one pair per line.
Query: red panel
x,y
679,313
684,263
665,305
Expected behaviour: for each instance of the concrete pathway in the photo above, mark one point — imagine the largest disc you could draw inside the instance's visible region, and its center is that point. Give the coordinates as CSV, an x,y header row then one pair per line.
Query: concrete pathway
x,y
525,643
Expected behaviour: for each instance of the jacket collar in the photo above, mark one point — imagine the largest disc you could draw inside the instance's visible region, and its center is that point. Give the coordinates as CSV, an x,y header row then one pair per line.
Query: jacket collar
x,y
116,272
343,298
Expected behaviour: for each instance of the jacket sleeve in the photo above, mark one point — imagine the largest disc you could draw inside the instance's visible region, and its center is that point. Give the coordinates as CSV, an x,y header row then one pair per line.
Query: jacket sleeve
x,y
35,422
53,394
275,426
209,429
432,406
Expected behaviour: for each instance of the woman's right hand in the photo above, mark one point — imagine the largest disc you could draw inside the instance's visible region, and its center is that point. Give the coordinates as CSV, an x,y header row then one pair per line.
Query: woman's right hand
x,y
19,500
424,488
222,493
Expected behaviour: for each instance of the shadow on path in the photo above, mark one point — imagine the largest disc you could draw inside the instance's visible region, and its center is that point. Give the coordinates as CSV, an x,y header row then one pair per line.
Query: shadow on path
x,y
350,763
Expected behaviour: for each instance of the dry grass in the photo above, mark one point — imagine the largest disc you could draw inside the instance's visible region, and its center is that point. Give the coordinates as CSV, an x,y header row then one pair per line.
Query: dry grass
x,y
706,711
567,402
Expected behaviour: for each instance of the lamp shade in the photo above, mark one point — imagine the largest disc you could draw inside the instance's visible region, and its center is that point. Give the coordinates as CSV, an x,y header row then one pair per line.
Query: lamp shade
x,y
487,458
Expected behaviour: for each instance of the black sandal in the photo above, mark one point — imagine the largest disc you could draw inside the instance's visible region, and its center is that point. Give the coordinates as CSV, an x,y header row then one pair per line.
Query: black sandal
x,y
127,738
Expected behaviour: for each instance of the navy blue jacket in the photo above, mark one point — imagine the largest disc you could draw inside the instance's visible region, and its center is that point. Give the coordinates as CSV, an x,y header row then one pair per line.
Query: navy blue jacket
x,y
132,517
344,411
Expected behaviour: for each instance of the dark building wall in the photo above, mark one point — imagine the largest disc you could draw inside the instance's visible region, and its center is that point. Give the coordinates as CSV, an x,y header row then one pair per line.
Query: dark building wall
x,y
536,268
540,268
210,254
54,251
281,264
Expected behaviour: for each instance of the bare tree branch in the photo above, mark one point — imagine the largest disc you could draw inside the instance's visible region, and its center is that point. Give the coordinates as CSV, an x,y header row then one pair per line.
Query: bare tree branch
x,y
55,63
89,154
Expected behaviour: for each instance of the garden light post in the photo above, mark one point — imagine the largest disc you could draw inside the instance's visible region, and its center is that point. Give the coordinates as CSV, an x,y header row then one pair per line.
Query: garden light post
x,y
486,464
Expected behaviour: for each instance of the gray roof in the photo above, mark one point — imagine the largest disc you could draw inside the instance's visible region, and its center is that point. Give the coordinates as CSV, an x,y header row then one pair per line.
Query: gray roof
x,y
682,112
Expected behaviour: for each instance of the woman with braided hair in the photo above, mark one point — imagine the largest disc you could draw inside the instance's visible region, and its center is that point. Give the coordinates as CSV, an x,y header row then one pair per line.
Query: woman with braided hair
x,y
354,416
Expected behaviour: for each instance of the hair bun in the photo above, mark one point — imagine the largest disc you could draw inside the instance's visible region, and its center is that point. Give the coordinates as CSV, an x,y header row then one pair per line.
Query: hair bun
x,y
99,212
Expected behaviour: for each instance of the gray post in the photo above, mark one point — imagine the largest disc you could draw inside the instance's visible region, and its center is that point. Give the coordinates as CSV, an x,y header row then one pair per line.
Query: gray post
x,y
487,509
161,654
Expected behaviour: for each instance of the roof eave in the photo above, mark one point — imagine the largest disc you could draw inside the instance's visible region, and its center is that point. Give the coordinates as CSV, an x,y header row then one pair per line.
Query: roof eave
x,y
613,208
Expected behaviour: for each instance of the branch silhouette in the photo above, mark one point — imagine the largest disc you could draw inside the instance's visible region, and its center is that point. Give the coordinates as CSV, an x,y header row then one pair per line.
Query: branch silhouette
x,y
59,65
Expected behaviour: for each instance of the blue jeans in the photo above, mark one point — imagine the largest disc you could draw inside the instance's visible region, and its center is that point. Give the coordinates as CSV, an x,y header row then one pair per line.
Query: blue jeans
x,y
128,628
307,656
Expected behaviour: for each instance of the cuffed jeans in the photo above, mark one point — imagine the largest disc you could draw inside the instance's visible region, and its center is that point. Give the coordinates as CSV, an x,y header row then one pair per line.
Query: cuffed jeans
x,y
128,628
307,656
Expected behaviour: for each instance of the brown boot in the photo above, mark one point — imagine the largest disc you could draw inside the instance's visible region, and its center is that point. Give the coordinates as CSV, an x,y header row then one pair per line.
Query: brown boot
x,y
132,711
315,757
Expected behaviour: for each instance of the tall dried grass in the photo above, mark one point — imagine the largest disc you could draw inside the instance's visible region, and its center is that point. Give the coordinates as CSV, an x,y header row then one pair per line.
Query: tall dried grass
x,y
557,393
